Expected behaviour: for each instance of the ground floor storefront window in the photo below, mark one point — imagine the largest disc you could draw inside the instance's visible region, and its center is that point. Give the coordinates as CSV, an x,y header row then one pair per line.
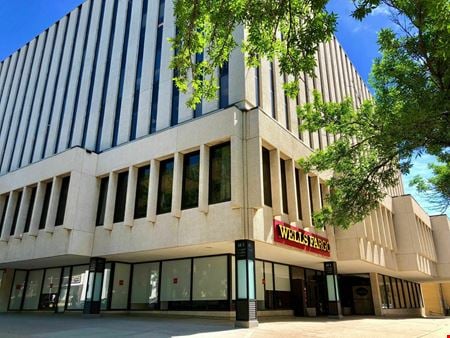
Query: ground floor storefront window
x,y
397,293
196,283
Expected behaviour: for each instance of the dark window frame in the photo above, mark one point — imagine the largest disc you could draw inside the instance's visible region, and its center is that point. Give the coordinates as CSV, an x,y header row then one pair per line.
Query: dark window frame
x,y
214,197
101,205
185,203
121,196
142,192
161,206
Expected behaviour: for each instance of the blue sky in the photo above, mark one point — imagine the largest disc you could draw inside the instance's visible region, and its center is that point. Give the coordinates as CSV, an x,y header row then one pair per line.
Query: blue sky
x,y
22,20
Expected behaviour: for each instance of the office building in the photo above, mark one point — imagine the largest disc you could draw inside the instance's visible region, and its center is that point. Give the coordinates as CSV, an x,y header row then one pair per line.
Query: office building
x,y
114,195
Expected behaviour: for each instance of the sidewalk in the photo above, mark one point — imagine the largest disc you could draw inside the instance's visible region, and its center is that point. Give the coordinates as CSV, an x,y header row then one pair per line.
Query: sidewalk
x,y
111,326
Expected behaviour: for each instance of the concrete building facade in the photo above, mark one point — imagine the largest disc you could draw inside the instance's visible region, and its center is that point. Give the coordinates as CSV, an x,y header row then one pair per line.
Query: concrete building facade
x,y
116,196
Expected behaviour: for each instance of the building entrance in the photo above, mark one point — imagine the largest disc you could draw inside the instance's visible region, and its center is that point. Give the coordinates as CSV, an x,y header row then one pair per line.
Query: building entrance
x,y
356,294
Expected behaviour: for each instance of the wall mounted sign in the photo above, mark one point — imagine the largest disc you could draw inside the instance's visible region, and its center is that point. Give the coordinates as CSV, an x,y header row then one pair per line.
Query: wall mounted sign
x,y
300,239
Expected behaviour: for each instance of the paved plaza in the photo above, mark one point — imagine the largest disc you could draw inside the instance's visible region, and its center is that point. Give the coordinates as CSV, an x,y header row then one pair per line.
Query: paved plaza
x,y
75,325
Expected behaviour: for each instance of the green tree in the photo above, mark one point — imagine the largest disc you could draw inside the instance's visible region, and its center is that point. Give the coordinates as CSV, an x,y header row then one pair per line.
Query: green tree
x,y
408,116
409,112
288,30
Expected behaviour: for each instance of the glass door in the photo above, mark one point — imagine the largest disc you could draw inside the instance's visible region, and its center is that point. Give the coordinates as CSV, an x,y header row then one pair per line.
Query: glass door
x,y
50,289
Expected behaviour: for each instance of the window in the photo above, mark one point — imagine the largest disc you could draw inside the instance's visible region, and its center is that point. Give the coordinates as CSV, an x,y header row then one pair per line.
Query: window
x,y
175,281
272,90
77,289
106,79
30,210
266,177
17,291
62,200
33,291
5,206
283,186
16,213
144,289
48,191
164,203
140,204
220,173
198,108
120,286
122,77
157,66
223,83
210,278
383,292
282,286
189,195
299,195
396,299
137,86
121,197
102,201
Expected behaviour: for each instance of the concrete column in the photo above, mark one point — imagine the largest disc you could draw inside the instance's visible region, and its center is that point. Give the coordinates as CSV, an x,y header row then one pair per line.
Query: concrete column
x,y
255,173
203,181
53,205
275,181
237,172
9,216
153,191
77,189
23,211
177,184
131,196
376,226
110,201
37,210
291,190
306,204
315,191
376,297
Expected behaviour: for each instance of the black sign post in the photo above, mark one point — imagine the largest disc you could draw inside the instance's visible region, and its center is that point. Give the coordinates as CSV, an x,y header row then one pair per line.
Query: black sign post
x,y
245,284
334,303
92,304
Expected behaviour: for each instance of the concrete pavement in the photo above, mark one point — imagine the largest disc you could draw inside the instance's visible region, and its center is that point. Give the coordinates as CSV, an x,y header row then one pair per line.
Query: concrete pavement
x,y
16,325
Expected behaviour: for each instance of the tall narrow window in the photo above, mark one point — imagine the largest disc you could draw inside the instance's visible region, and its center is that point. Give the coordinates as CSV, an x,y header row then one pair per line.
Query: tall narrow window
x,y
137,86
157,66
220,173
140,204
266,177
122,76
299,196
30,210
93,79
283,185
311,200
286,106
224,86
48,191
165,186
106,79
121,197
102,201
80,77
16,213
198,108
62,201
5,206
272,90
189,195
257,93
